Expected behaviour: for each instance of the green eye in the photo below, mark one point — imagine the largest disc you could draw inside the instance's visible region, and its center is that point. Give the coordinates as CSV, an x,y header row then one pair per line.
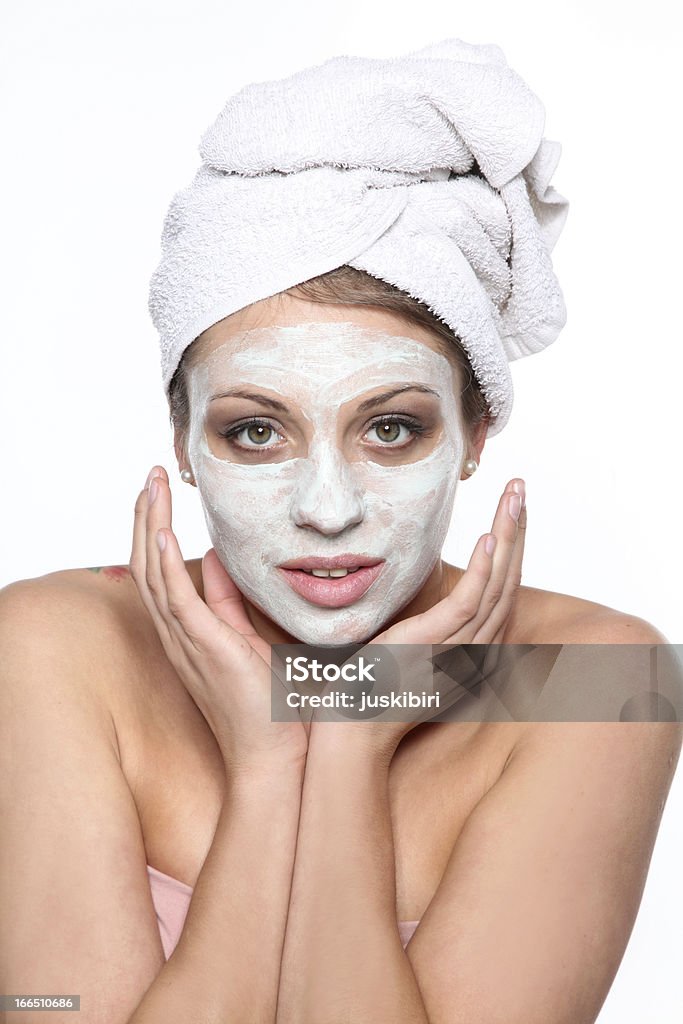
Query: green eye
x,y
395,431
252,434
259,433
388,431
392,428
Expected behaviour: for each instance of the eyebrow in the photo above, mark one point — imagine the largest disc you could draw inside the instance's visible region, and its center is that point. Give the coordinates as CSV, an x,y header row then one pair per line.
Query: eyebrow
x,y
369,403
251,396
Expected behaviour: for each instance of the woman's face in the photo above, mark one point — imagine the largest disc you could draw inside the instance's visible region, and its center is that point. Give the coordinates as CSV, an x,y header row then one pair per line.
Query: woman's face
x,y
325,438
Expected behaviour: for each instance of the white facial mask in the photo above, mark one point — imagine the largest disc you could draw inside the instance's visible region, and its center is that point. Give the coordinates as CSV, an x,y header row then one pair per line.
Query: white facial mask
x,y
326,501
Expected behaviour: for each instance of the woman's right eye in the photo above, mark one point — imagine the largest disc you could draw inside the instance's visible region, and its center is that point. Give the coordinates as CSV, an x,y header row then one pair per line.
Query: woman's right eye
x,y
252,435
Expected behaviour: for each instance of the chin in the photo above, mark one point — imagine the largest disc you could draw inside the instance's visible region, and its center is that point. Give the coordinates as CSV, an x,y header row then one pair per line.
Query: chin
x,y
315,628
322,634
339,640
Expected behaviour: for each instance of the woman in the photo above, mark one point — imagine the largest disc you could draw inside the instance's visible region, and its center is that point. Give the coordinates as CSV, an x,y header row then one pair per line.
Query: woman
x,y
337,870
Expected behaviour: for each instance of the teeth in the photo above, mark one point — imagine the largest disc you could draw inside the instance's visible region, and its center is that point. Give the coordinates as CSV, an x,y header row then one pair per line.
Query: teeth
x,y
334,573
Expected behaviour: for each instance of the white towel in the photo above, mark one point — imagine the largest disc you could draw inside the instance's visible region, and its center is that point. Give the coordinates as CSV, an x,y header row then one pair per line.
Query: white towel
x,y
427,170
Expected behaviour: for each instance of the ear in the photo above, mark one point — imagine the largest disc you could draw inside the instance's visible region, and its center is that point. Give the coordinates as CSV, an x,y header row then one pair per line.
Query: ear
x,y
181,454
477,442
479,438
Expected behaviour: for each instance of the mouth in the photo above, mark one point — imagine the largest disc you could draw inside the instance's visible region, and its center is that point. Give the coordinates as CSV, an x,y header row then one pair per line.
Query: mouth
x,y
334,582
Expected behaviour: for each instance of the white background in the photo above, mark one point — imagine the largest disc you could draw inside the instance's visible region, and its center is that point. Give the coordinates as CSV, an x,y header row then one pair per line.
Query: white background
x,y
103,105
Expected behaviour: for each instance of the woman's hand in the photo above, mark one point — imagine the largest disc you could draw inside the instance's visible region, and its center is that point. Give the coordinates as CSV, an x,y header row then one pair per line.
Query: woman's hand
x,y
478,607
220,658
476,611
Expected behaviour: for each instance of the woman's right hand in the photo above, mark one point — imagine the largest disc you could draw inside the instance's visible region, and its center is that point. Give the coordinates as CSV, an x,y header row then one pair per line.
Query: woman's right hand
x,y
222,661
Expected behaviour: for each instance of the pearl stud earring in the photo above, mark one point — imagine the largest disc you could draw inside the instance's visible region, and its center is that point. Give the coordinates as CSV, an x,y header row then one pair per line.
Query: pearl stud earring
x,y
186,476
471,466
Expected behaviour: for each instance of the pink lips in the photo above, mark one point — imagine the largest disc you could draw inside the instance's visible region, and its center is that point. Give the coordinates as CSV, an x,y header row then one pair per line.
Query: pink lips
x,y
331,592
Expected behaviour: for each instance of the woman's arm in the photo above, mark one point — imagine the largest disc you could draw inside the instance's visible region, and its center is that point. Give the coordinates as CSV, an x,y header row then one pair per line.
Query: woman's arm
x,y
343,959
538,900
226,965
77,915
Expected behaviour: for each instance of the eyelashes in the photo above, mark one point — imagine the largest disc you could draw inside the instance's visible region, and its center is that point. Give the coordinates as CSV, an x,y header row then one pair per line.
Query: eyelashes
x,y
409,423
258,431
254,425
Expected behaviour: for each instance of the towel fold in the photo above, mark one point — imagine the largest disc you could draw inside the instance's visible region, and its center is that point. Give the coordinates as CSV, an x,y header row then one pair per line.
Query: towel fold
x,y
428,171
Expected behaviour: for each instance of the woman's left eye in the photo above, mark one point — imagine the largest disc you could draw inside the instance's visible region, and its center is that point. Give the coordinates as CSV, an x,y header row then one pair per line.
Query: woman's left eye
x,y
394,431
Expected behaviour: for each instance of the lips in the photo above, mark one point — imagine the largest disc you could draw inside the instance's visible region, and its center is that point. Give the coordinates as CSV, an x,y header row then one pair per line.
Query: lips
x,y
335,562
332,592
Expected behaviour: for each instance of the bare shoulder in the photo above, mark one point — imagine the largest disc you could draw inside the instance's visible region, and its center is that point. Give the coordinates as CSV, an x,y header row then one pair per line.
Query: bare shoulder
x,y
97,606
88,626
550,617
65,639
65,607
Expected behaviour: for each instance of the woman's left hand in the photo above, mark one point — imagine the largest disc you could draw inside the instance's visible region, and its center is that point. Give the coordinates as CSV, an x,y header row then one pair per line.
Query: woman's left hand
x,y
476,611
479,606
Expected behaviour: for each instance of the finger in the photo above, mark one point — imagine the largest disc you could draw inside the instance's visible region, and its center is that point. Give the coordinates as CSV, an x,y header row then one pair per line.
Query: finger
x,y
138,558
505,529
158,517
197,627
493,629
455,610
459,616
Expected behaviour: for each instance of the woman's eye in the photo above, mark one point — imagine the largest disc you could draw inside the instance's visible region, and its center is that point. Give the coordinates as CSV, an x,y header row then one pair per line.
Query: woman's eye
x,y
256,434
395,433
388,432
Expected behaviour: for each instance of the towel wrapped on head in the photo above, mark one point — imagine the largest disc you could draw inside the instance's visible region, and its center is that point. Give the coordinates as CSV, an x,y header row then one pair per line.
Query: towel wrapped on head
x,y
428,171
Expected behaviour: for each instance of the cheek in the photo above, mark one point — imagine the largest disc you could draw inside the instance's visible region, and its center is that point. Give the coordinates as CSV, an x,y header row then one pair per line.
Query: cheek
x,y
243,501
413,501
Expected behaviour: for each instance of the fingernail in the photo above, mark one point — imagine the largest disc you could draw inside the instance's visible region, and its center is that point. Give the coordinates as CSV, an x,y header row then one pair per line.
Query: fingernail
x,y
153,490
514,505
161,540
519,487
490,544
150,476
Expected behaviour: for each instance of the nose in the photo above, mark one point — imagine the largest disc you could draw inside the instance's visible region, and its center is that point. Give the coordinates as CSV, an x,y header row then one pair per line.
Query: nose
x,y
327,498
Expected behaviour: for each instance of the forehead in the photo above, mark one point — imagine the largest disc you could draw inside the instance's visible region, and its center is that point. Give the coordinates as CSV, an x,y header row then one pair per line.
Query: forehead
x,y
320,355
290,310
